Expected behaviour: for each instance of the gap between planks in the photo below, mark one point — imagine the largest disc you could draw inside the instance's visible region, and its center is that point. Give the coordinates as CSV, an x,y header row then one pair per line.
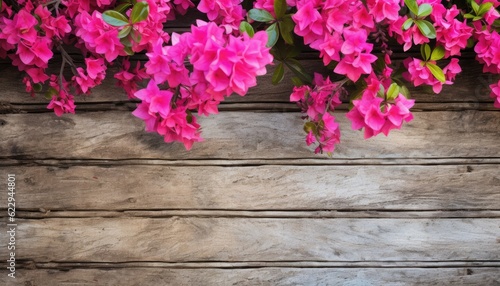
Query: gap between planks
x,y
281,214
28,264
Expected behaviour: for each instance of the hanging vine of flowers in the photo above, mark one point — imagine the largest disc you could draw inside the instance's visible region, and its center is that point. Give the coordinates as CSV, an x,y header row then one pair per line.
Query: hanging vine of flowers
x,y
188,75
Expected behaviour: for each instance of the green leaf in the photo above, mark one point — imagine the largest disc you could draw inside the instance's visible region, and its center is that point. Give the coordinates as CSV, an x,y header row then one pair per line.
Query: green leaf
x,y
245,27
139,12
379,65
310,126
295,66
404,91
260,15
425,51
424,10
393,91
286,30
437,53
296,81
407,24
468,16
126,42
470,43
475,7
51,92
37,87
122,8
477,18
278,74
114,18
292,51
484,8
381,91
129,51
279,8
412,5
125,32
436,71
426,28
272,35
136,36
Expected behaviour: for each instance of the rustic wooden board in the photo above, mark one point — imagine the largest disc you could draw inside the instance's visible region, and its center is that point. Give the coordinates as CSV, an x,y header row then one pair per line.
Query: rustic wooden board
x,y
446,187
244,135
313,214
181,239
470,87
262,276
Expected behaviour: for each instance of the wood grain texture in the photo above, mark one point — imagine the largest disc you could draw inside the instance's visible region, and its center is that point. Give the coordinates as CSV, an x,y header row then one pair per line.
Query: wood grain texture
x,y
469,87
315,214
462,187
243,135
263,276
180,239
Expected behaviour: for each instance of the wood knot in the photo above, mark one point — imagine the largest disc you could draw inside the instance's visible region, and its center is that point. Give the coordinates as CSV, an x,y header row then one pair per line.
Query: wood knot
x,y
132,200
469,169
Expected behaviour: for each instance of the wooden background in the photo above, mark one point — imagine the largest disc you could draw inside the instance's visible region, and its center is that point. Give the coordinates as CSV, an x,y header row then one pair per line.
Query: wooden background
x,y
101,202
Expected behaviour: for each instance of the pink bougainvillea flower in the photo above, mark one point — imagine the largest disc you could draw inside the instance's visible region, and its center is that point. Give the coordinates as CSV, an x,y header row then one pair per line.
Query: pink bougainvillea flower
x,y
384,9
418,73
495,94
353,66
37,75
158,100
129,79
329,135
317,103
377,114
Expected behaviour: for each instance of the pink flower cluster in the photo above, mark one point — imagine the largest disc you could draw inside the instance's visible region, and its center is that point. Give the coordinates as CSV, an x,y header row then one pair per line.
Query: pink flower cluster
x,y
27,38
90,77
222,64
29,35
129,79
378,114
418,73
317,103
451,33
488,48
172,123
339,30
227,13
62,101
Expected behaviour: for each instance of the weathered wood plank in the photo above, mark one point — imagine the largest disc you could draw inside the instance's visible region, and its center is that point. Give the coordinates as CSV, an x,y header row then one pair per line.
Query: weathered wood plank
x,y
46,213
180,239
471,187
263,276
28,264
471,86
318,161
243,135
